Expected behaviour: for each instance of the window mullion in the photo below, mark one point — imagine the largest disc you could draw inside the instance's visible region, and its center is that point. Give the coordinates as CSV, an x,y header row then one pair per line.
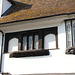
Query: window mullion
x,y
40,40
57,38
19,43
57,41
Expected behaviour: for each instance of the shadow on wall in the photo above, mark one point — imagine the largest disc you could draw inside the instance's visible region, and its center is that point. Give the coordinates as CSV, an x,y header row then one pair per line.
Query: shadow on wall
x,y
19,6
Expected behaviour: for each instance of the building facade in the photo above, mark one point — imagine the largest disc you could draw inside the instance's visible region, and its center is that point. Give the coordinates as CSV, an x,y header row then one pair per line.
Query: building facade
x,y
37,45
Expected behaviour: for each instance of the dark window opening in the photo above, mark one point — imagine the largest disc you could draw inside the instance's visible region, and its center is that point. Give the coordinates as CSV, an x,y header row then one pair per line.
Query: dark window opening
x,y
32,40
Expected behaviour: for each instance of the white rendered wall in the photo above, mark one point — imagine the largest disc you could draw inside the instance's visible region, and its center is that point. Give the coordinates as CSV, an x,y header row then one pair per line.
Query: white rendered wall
x,y
6,5
56,62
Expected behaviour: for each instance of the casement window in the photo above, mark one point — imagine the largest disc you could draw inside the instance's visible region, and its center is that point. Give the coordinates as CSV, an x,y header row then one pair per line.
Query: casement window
x,y
70,36
34,40
70,33
30,42
73,26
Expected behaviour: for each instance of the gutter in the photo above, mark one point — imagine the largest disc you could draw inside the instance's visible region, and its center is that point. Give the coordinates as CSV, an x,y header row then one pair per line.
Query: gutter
x,y
38,18
1,7
1,51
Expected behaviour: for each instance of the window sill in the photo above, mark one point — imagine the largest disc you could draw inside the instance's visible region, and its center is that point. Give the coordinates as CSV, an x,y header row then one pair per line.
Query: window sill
x,y
70,50
54,49
29,53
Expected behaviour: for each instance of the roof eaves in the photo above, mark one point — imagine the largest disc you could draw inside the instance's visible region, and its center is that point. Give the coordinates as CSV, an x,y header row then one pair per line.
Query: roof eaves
x,y
38,18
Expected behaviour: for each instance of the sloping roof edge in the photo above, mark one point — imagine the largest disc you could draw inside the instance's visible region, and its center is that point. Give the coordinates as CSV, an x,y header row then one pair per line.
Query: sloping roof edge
x,y
11,1
38,18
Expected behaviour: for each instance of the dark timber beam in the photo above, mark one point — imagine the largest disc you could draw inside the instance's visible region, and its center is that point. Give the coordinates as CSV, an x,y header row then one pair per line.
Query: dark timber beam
x,y
11,1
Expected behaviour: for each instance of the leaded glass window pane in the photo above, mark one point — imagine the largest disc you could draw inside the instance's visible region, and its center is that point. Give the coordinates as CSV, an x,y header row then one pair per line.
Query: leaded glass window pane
x,y
36,42
73,28
30,43
69,37
24,43
49,41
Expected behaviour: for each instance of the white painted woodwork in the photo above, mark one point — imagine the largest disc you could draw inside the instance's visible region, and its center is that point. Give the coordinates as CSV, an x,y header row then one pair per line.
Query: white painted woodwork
x,y
49,41
13,45
35,24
